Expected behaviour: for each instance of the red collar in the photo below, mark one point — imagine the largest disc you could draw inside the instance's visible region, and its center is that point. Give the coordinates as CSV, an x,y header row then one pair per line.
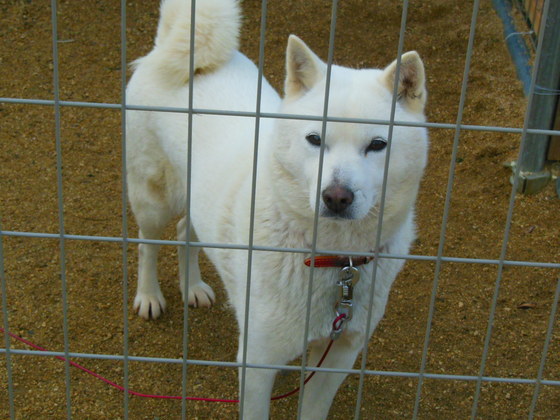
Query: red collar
x,y
337,261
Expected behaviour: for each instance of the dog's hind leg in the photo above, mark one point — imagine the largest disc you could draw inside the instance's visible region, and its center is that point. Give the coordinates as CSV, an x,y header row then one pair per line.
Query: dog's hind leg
x,y
200,294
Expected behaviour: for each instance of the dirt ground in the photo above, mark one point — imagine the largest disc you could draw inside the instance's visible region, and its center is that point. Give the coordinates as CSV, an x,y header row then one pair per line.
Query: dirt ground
x,y
366,36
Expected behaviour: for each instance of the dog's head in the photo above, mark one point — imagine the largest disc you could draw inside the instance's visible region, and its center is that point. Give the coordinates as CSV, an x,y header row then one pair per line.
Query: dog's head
x,y
354,157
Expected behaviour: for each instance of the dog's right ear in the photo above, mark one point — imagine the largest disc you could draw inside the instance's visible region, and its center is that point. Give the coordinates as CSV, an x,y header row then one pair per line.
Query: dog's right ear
x,y
303,68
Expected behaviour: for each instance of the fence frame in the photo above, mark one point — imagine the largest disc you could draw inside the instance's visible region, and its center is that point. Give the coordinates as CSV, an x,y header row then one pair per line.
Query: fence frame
x,y
527,132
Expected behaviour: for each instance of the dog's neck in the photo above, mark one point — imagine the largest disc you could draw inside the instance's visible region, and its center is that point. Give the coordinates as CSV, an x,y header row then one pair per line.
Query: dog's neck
x,y
294,230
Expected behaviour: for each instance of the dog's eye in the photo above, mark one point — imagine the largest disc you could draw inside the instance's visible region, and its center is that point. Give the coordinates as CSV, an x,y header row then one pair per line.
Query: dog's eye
x,y
314,139
377,144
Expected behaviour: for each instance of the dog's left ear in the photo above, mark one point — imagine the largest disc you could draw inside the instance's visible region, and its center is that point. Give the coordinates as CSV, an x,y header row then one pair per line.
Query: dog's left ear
x,y
411,89
303,68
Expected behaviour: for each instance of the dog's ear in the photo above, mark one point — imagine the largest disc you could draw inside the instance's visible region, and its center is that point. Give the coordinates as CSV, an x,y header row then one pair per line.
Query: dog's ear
x,y
411,89
303,68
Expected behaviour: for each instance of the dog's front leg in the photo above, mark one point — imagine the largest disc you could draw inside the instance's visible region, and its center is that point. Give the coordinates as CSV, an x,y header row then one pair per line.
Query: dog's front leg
x,y
258,389
263,347
321,389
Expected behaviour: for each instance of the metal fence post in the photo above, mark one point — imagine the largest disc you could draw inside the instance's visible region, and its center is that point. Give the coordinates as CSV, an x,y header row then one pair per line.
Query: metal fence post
x,y
533,176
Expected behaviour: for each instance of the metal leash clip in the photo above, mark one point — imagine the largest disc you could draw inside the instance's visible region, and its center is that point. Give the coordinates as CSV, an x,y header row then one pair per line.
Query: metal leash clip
x,y
348,277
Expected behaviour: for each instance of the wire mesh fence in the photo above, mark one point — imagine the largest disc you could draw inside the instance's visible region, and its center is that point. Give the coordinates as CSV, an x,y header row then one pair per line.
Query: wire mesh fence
x,y
473,332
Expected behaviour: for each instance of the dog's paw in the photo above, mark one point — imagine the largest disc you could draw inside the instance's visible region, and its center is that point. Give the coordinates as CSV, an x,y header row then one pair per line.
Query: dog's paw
x,y
201,295
149,306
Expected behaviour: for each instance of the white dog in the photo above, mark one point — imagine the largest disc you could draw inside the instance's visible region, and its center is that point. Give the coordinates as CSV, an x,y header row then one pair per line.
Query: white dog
x,y
286,189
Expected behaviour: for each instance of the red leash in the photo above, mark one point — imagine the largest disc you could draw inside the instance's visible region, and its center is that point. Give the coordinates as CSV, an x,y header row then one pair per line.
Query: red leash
x,y
336,324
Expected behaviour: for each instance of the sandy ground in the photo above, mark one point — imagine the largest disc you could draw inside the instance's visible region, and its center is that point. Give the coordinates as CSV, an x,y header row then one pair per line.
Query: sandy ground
x,y
366,36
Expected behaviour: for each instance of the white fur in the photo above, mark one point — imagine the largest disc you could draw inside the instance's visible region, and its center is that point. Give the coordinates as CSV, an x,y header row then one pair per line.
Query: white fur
x,y
222,167
216,37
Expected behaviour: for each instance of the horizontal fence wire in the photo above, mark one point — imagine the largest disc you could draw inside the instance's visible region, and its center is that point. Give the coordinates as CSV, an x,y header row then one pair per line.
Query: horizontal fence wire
x,y
217,363
412,257
251,247
203,111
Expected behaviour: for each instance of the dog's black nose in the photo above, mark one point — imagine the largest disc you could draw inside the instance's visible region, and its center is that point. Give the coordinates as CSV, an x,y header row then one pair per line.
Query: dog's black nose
x,y
337,198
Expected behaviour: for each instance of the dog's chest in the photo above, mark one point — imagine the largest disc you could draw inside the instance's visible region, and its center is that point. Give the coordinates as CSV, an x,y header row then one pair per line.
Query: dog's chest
x,y
293,291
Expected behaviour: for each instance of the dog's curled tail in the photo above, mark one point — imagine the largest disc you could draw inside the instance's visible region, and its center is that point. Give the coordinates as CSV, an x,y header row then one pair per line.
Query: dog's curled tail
x,y
216,36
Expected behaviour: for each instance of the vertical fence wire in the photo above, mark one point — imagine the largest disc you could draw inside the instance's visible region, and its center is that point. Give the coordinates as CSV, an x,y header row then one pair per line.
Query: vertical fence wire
x,y
60,199
509,219
330,56
6,326
124,215
548,339
185,280
446,207
391,122
250,248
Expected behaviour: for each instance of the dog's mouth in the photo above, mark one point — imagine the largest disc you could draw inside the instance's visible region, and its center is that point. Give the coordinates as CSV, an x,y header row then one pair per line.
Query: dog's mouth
x,y
332,215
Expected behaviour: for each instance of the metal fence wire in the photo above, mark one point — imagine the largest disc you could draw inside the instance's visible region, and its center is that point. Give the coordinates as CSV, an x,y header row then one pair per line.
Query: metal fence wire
x,y
424,391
